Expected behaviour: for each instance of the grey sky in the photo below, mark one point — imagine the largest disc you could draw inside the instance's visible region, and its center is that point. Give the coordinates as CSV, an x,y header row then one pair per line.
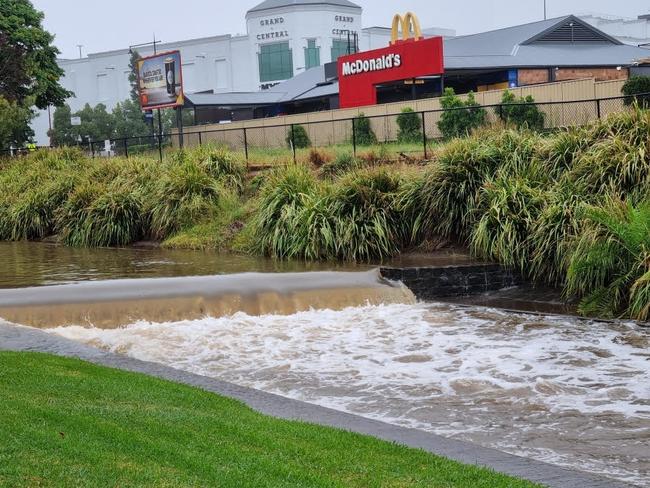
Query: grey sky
x,y
106,25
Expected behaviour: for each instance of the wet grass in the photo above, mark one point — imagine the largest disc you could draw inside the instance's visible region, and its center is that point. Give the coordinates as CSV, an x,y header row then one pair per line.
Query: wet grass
x,y
69,423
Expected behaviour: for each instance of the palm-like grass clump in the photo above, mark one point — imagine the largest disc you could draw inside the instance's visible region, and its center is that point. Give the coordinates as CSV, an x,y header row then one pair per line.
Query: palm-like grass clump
x,y
610,267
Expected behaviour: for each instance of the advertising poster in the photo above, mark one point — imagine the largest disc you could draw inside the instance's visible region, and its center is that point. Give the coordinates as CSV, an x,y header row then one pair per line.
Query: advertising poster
x,y
160,79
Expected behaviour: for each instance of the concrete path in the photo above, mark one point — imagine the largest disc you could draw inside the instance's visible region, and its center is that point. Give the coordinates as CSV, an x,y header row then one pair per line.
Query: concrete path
x,y
15,338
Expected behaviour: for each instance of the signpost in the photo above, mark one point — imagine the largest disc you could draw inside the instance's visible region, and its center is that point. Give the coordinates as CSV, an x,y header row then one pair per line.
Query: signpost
x,y
160,85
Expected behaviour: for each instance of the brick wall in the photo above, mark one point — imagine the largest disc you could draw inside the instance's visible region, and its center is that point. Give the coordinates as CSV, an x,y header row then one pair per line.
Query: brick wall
x,y
599,74
533,76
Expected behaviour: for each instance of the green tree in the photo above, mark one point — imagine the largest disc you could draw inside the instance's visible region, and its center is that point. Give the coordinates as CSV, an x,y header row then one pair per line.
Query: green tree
x,y
29,46
460,117
410,126
62,132
129,121
14,124
521,112
637,88
96,123
363,133
299,136
133,76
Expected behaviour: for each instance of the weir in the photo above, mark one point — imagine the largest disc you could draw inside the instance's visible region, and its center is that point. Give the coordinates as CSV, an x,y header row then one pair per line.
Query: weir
x,y
115,303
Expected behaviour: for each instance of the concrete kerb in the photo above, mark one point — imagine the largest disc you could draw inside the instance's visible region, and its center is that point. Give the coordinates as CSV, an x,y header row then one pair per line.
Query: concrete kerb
x,y
26,339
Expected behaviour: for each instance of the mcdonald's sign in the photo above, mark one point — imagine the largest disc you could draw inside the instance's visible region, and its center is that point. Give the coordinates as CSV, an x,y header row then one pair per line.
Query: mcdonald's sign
x,y
408,56
406,22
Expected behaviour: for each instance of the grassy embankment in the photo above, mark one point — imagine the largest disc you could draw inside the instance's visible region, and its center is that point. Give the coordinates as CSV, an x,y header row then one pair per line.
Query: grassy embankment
x,y
570,209
68,423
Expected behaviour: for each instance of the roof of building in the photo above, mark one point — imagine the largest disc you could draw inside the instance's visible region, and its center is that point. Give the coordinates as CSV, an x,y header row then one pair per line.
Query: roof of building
x,y
307,85
273,4
564,41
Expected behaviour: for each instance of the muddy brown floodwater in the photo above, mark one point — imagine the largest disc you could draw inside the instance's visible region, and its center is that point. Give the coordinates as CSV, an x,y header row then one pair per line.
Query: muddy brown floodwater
x,y
567,391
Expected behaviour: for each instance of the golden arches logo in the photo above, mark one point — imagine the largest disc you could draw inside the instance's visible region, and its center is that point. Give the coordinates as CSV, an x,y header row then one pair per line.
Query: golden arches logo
x,y
409,24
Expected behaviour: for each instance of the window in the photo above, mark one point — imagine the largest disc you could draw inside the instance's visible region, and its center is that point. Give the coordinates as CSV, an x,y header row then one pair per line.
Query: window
x,y
341,47
312,54
276,62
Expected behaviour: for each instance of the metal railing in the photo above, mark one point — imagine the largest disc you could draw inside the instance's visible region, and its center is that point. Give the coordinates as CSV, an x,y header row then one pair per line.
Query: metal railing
x,y
259,144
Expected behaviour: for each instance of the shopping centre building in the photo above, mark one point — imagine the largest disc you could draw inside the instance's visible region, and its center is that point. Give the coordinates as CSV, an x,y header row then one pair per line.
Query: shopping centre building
x,y
286,62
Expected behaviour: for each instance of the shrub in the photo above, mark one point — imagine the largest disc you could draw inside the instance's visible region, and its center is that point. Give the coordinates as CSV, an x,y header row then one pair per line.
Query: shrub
x,y
522,112
220,164
609,267
459,117
298,137
319,158
282,199
451,186
637,89
113,219
554,232
184,195
618,157
343,163
363,133
410,126
509,207
365,215
32,216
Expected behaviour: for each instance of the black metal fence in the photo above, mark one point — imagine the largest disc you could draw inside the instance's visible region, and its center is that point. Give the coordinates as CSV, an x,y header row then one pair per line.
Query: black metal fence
x,y
267,142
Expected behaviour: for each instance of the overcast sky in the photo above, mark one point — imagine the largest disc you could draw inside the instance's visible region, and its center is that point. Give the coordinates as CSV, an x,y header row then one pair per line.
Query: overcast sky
x,y
115,24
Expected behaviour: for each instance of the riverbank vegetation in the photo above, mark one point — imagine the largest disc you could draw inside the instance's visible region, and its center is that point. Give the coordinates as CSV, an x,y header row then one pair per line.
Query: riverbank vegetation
x,y
569,208
65,422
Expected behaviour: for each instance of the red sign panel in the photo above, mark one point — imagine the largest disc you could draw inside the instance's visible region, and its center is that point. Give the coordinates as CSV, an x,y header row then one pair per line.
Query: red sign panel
x,y
360,73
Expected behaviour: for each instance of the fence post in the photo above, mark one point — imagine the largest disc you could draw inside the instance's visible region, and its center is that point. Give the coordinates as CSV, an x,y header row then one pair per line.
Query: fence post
x,y
293,144
598,108
246,146
354,137
424,135
160,146
200,138
92,147
126,148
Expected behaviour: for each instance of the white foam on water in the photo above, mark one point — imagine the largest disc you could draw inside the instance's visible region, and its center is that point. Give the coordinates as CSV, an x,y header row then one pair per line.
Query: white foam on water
x,y
566,391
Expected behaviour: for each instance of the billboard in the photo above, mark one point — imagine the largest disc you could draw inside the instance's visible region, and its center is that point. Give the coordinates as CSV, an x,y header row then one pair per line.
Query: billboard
x,y
160,81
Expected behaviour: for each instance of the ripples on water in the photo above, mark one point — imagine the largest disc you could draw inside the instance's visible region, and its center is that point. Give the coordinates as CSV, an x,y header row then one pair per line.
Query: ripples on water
x,y
568,392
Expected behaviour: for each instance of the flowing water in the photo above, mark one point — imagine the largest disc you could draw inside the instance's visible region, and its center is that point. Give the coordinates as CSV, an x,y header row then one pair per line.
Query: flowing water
x,y
562,390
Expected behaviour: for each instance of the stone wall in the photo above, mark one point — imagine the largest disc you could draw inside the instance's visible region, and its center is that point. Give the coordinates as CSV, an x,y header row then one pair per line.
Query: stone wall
x,y
430,283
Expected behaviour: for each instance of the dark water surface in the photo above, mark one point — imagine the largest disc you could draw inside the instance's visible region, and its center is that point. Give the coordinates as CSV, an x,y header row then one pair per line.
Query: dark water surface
x,y
24,264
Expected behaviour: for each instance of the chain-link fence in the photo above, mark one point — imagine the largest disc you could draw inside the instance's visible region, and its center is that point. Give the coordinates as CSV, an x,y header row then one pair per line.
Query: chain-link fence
x,y
393,136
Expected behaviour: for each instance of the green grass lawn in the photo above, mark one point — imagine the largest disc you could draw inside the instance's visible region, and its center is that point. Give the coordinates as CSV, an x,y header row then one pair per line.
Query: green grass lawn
x,y
65,422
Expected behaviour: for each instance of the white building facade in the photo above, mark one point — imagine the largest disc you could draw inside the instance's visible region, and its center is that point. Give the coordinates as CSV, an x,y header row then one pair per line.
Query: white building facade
x,y
635,32
284,38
